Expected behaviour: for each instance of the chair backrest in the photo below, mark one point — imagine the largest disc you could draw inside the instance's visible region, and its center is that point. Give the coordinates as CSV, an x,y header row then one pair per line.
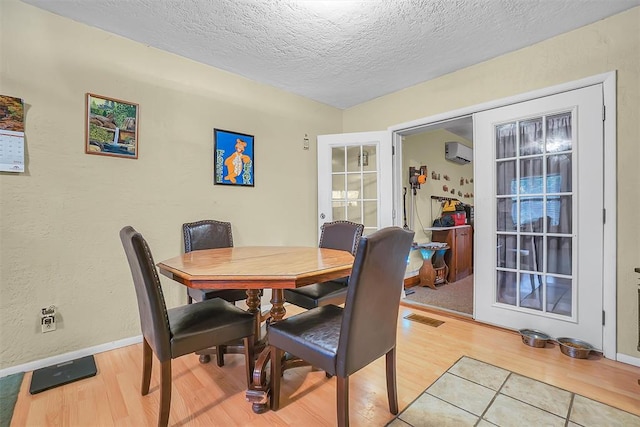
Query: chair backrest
x,y
151,304
342,235
207,234
370,316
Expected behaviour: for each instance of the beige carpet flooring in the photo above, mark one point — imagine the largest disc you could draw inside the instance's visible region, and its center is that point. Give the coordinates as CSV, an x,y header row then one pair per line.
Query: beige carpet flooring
x,y
456,296
474,393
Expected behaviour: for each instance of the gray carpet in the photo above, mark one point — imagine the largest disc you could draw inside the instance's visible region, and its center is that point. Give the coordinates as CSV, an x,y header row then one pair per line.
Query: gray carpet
x,y
456,296
9,388
474,393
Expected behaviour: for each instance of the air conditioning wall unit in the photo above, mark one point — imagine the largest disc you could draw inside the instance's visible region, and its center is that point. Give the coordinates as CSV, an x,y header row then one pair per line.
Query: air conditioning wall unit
x,y
458,153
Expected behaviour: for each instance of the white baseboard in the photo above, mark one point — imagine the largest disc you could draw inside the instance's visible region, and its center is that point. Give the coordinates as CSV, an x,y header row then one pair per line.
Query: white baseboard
x,y
630,360
37,364
412,273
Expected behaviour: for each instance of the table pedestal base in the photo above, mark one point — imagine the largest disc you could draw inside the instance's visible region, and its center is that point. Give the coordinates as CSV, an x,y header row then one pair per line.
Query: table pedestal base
x,y
260,387
259,391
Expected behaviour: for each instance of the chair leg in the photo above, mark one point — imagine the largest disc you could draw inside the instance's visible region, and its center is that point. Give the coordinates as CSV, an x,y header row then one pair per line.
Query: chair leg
x,y
220,349
146,367
165,393
249,357
343,400
276,375
392,390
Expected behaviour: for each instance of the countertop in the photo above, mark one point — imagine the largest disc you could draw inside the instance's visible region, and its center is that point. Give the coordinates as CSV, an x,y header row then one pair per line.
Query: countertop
x,y
446,228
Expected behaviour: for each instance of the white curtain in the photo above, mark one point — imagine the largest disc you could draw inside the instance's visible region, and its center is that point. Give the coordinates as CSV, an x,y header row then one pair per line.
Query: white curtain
x,y
540,141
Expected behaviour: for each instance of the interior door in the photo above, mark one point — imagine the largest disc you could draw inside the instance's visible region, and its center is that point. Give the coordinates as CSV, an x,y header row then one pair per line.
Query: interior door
x,y
355,179
539,215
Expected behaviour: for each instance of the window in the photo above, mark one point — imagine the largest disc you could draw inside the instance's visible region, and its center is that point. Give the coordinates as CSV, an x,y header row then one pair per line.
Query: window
x,y
532,207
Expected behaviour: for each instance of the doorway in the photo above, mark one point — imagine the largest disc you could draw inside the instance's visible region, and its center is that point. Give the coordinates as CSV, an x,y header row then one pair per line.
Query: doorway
x,y
354,184
448,184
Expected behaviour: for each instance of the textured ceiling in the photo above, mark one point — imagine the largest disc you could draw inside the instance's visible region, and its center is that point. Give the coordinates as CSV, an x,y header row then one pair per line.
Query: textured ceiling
x,y
338,52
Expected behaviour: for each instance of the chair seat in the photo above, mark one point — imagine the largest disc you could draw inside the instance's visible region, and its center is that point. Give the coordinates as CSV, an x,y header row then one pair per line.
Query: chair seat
x,y
231,295
193,327
171,333
312,336
341,341
318,294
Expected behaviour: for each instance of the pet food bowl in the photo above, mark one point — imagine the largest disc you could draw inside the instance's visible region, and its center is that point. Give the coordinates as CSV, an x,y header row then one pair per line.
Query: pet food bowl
x,y
534,338
575,348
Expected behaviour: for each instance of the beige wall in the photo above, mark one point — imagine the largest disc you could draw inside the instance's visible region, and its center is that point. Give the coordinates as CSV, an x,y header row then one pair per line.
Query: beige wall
x,y
427,149
60,219
607,45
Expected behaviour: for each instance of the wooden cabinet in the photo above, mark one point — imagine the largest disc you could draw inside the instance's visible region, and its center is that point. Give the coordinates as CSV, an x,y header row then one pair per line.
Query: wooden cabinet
x,y
460,253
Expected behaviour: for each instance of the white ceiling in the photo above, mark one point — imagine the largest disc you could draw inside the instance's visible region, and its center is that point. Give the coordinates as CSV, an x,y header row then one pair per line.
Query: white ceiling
x,y
339,52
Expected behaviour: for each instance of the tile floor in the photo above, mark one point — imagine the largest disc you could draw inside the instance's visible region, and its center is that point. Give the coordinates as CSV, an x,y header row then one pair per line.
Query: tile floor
x,y
474,393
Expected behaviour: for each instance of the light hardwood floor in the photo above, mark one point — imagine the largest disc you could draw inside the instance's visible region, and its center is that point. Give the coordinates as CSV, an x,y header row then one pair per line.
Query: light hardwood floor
x,y
205,395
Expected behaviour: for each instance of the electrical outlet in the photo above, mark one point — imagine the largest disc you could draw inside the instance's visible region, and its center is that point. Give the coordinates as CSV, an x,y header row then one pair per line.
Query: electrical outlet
x,y
48,324
48,318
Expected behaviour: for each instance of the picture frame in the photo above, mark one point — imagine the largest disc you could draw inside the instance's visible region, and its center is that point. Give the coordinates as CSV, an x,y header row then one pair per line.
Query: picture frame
x,y
233,158
111,127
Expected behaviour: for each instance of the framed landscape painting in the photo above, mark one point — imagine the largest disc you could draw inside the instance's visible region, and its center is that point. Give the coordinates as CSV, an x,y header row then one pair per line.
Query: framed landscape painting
x,y
233,158
112,127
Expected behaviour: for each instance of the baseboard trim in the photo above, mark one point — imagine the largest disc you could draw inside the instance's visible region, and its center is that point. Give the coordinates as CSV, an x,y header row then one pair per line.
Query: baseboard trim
x,y
443,312
630,360
37,364
411,281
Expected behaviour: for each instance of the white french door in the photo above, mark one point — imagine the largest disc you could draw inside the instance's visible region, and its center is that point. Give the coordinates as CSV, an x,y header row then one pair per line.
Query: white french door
x,y
539,181
355,180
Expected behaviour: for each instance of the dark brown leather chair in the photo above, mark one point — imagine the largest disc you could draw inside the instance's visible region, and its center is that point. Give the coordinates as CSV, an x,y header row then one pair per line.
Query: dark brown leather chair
x,y
342,235
341,341
181,330
210,234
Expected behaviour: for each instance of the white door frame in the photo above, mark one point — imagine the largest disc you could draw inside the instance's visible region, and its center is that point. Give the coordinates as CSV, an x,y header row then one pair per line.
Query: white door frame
x,y
608,81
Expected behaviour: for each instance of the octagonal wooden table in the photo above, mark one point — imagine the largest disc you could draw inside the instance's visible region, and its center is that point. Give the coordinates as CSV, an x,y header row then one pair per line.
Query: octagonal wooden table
x,y
254,268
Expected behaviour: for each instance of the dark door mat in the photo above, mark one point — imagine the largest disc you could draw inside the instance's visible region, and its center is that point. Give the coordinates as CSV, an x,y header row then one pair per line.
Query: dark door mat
x,y
424,319
62,373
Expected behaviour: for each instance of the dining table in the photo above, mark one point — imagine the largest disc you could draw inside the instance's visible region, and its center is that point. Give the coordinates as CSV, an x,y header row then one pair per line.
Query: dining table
x,y
256,268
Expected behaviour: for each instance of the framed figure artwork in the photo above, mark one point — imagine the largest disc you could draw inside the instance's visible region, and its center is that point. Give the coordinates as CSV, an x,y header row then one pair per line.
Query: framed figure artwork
x,y
233,158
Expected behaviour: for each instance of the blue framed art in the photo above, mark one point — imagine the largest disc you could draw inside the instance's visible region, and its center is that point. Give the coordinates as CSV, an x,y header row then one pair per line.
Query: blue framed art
x,y
233,162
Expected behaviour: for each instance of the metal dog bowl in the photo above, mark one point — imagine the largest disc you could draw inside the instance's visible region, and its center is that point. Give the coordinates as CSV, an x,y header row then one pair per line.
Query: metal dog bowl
x,y
534,338
575,348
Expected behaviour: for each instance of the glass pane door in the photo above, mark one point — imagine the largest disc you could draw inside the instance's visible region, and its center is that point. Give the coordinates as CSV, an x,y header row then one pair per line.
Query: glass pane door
x,y
355,182
354,188
534,202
